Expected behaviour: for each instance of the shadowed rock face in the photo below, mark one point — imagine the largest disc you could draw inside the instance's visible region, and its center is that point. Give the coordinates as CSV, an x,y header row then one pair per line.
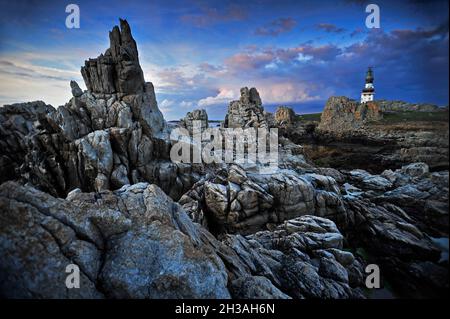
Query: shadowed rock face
x,y
118,69
374,136
246,203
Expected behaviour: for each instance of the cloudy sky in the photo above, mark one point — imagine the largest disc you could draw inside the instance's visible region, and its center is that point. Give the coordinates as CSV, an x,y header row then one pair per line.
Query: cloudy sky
x,y
199,53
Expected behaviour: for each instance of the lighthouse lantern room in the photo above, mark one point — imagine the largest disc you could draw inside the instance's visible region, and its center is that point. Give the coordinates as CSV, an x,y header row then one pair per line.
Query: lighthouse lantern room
x,y
369,90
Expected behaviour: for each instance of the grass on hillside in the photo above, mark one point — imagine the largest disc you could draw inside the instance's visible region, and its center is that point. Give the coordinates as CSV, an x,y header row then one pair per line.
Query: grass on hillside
x,y
309,117
412,116
393,117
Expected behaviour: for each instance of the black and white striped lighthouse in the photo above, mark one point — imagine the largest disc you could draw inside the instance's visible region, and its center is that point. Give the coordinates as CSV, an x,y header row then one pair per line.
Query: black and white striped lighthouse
x,y
369,91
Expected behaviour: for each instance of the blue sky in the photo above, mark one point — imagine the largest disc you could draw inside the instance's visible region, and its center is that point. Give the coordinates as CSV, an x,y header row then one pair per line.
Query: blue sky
x,y
199,53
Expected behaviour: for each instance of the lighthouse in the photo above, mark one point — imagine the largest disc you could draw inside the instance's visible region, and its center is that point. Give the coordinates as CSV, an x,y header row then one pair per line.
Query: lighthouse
x,y
368,91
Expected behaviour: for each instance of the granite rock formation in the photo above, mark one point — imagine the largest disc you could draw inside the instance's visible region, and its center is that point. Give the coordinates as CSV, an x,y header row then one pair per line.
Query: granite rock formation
x,y
284,115
247,111
195,115
118,69
91,184
342,114
109,136
136,242
131,243
245,202
346,138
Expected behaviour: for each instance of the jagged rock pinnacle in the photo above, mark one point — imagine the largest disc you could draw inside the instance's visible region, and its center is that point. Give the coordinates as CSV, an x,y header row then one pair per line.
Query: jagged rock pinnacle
x,y
118,69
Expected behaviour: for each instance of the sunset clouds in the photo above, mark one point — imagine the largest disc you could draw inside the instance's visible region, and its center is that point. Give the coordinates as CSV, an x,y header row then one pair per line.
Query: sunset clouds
x,y
199,53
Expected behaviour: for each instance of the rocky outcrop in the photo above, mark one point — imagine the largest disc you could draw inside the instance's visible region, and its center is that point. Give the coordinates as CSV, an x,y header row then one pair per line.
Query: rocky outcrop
x,y
378,146
109,136
16,123
392,216
304,256
118,69
342,114
399,217
353,135
91,184
136,242
131,243
196,115
243,202
247,111
284,115
422,194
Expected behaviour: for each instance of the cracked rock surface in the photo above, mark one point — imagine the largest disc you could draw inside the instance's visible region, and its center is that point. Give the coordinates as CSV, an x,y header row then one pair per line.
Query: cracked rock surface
x,y
136,242
91,183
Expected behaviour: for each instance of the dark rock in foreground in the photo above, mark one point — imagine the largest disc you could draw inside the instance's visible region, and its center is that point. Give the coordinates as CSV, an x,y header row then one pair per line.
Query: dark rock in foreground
x,y
136,242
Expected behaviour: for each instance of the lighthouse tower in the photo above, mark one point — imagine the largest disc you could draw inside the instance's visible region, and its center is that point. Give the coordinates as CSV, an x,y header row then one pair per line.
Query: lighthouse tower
x,y
368,91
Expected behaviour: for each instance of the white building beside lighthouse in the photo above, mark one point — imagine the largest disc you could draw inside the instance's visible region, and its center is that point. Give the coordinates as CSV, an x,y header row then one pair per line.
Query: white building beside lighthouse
x,y
369,91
